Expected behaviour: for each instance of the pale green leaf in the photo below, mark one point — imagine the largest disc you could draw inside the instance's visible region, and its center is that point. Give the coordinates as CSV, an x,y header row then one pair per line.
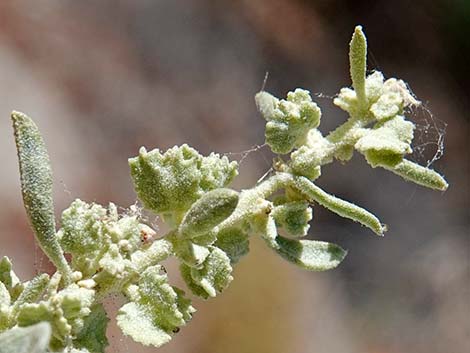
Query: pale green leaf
x,y
215,274
339,206
310,254
307,161
387,142
5,298
135,321
157,309
269,232
7,277
418,174
294,217
211,209
387,106
65,311
36,187
32,339
288,121
358,63
195,288
32,291
173,181
158,251
82,228
190,253
234,242
5,317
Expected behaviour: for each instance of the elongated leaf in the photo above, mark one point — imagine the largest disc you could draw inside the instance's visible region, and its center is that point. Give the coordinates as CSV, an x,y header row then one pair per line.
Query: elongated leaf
x,y
36,186
32,339
340,207
33,291
357,62
418,174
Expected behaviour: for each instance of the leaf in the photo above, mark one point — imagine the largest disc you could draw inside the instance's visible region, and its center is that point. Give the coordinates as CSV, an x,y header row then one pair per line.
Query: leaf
x,y
9,278
82,228
5,317
36,187
294,217
32,291
288,121
32,339
174,180
307,161
195,288
387,106
234,242
156,311
65,311
387,142
135,321
190,253
310,254
211,209
339,206
93,334
269,231
358,63
215,274
418,174
348,101
158,251
5,298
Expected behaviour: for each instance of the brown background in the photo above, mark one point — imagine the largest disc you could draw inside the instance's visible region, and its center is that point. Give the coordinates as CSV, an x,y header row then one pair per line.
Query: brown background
x,y
102,78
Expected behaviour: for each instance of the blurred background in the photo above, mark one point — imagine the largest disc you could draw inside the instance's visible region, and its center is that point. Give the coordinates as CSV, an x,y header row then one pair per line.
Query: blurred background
x,y
103,78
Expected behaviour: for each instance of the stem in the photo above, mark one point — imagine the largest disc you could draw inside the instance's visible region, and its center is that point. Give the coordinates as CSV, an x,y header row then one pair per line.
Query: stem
x,y
271,185
250,199
343,134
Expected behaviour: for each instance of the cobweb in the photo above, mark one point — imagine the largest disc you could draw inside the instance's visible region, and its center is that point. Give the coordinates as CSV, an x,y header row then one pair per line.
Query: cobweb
x,y
429,134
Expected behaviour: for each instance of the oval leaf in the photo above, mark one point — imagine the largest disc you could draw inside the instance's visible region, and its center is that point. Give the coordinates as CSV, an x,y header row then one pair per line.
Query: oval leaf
x,y
310,254
208,211
32,339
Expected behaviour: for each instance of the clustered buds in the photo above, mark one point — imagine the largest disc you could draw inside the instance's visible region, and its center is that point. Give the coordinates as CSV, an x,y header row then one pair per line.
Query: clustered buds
x,y
210,225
